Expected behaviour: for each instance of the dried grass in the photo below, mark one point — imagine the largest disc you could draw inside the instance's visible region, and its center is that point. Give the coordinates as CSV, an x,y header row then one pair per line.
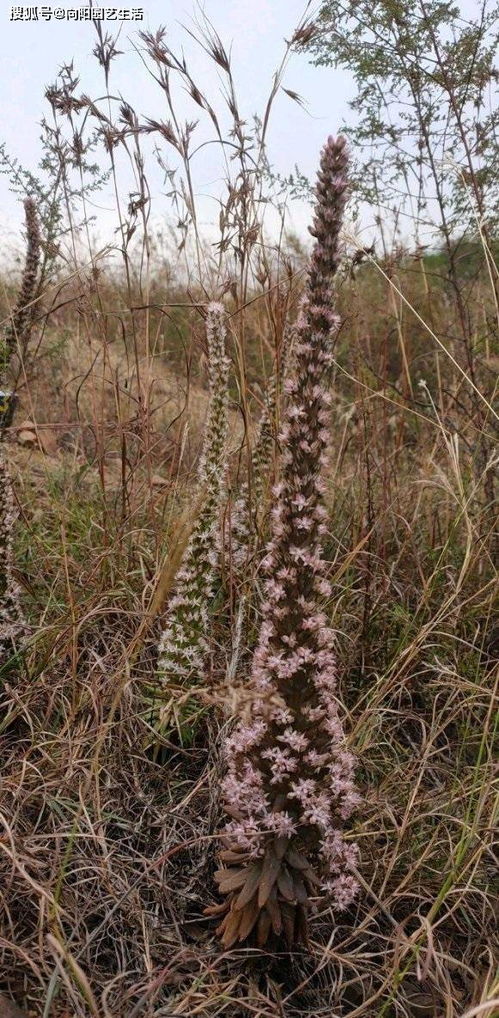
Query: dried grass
x,y
107,855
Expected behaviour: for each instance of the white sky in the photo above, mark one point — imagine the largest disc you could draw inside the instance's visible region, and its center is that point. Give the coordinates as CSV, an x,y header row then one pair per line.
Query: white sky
x,y
31,53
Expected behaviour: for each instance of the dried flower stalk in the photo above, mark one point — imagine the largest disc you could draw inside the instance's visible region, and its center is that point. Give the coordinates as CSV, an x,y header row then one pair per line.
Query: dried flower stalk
x,y
289,782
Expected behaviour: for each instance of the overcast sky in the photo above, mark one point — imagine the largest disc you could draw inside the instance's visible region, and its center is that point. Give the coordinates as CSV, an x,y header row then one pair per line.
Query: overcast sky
x,y
255,30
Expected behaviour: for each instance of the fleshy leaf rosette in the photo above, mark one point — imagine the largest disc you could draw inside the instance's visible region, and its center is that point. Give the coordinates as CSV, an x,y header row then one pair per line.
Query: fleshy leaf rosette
x,y
289,785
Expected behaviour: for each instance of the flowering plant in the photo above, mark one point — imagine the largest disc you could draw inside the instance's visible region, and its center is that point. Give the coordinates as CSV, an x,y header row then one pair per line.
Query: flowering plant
x,y
17,334
289,782
183,645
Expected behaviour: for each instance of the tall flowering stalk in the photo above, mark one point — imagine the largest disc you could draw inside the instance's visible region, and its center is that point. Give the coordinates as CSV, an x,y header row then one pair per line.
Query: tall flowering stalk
x,y
12,624
289,782
244,541
17,333
251,497
18,330
184,642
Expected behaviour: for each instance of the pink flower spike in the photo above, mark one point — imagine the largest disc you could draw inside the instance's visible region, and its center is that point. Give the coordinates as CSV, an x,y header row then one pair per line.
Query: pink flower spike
x,y
294,739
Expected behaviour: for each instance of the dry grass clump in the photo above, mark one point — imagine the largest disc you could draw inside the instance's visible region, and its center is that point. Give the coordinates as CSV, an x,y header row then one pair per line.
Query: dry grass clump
x,y
106,853
108,849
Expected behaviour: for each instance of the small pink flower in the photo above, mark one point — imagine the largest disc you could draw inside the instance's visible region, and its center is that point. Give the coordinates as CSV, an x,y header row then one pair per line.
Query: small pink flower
x,y
297,741
299,753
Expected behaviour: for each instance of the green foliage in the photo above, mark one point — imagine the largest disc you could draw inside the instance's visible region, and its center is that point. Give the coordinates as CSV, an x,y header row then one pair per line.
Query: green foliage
x,y
426,111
